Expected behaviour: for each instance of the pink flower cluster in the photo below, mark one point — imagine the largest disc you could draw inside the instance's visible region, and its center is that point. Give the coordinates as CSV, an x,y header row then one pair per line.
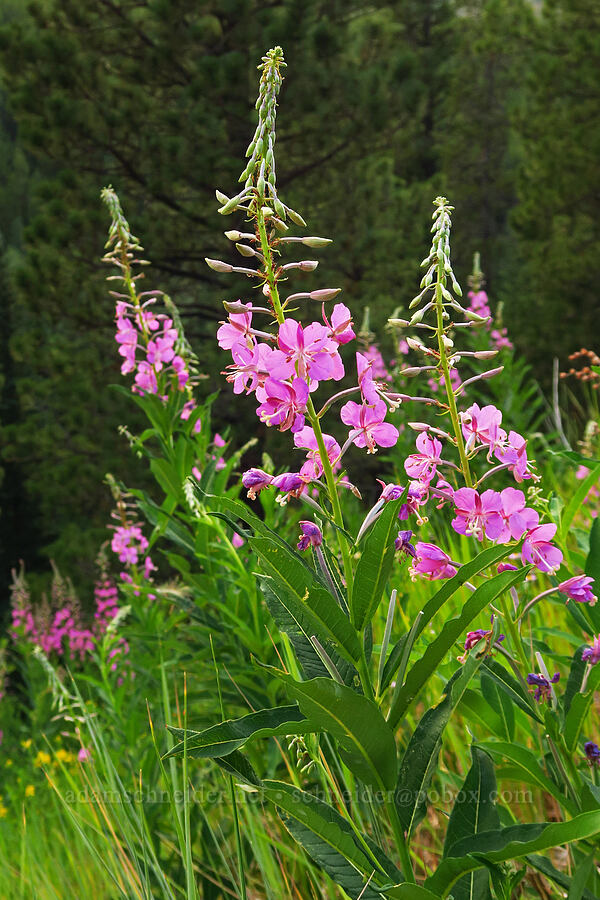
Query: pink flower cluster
x,y
61,630
147,342
286,371
499,516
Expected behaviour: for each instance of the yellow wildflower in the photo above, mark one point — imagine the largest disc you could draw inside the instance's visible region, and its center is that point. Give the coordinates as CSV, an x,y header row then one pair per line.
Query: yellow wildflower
x,y
42,759
30,790
26,744
64,756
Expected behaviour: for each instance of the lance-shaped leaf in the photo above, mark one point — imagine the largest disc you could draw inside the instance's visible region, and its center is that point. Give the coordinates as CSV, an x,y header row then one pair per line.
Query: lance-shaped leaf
x,y
299,626
366,742
375,565
592,568
512,688
419,761
306,600
510,843
329,839
544,866
501,705
409,891
474,811
579,496
575,679
237,765
224,738
579,708
452,630
528,768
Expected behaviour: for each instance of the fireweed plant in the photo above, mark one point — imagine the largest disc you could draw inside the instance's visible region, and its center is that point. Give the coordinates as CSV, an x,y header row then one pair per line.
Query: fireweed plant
x,y
361,785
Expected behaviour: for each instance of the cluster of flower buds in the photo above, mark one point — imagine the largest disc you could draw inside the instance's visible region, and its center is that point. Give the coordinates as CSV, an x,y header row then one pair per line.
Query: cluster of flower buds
x,y
151,343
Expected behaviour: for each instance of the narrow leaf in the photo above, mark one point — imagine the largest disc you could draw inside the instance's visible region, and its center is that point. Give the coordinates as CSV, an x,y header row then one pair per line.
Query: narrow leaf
x,y
375,565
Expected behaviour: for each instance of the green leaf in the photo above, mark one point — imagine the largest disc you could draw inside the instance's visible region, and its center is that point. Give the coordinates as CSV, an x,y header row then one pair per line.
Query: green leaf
x,y
224,738
592,568
578,710
474,811
544,866
517,693
473,706
509,843
500,703
409,891
419,761
575,679
365,739
375,565
452,630
326,836
578,497
306,599
237,765
530,771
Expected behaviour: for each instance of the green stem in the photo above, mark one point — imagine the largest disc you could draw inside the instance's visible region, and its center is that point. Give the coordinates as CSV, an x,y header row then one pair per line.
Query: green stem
x,y
363,666
514,634
401,843
268,255
464,462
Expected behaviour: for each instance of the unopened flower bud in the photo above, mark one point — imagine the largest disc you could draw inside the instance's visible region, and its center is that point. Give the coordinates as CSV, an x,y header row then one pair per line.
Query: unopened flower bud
x,y
414,344
306,265
267,212
485,354
398,323
448,343
238,236
315,242
218,265
222,198
418,426
279,224
324,294
245,251
295,217
493,372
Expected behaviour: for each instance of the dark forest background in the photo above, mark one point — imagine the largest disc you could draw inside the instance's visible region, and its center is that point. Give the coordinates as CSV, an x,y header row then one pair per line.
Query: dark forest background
x,y
494,103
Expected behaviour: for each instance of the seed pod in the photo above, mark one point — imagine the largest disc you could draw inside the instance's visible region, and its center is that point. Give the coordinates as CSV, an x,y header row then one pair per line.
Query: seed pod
x,y
230,206
279,225
218,265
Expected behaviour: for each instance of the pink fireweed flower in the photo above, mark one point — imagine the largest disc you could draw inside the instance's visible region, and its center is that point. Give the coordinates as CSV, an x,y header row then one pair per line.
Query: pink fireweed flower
x,y
500,340
127,338
538,550
291,484
403,544
505,567
416,496
84,755
483,426
255,480
423,465
591,654
237,330
160,349
543,686
390,491
368,388
514,455
340,325
443,491
432,562
479,303
237,540
145,379
180,369
380,372
309,352
477,514
517,518
369,429
310,536
283,404
128,543
579,588
474,637
313,467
